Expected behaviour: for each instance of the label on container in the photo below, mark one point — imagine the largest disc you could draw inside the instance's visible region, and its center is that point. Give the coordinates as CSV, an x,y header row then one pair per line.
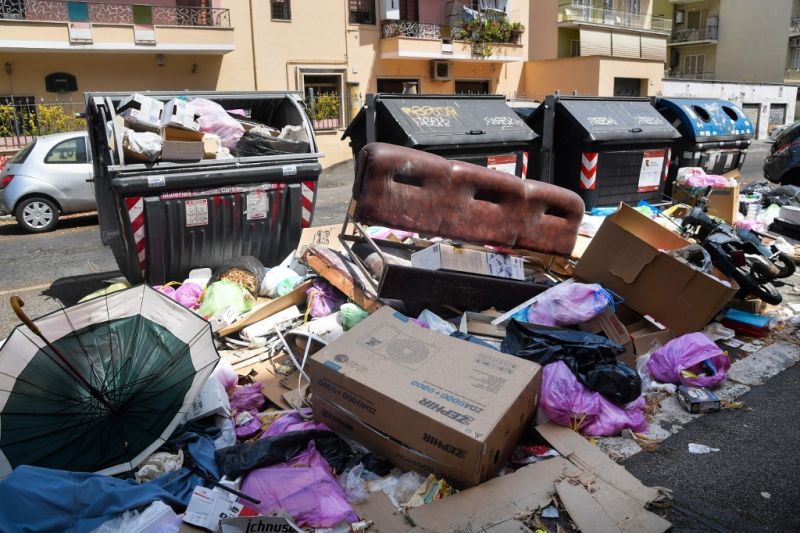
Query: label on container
x,y
290,170
257,206
650,174
196,212
155,181
503,163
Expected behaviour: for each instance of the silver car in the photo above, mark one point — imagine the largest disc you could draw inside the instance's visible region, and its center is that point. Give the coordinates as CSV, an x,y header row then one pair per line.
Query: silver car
x,y
47,178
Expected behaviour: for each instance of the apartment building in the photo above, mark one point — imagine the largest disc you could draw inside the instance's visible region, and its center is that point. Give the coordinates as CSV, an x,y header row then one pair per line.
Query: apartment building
x,y
597,47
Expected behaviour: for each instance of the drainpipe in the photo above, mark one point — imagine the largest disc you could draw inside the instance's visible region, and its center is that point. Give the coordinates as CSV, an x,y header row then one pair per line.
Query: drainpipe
x,y
253,46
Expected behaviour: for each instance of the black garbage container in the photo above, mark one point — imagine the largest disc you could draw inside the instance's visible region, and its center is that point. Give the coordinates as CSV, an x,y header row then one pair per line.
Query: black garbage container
x,y
479,129
715,134
164,218
608,150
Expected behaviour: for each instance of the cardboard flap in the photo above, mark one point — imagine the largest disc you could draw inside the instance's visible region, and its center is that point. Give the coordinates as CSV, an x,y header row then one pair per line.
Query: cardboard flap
x,y
628,266
584,510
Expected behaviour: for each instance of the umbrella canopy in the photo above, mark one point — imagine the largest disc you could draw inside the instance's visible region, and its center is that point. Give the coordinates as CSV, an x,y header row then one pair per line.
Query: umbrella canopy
x,y
118,376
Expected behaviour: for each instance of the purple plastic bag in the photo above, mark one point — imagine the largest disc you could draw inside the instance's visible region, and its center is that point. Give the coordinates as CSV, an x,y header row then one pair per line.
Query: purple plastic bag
x,y
568,304
568,403
323,299
304,487
166,290
247,398
688,352
293,422
249,428
188,295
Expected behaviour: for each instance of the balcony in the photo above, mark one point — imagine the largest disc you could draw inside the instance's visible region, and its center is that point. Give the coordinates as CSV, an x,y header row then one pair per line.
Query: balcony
x,y
705,35
681,75
60,25
794,26
570,15
494,40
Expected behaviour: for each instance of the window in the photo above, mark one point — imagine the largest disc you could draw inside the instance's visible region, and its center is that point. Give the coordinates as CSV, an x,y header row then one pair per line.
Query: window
x,y
78,11
398,86
281,9
60,82
143,15
473,87
324,99
71,151
362,11
574,47
795,59
694,64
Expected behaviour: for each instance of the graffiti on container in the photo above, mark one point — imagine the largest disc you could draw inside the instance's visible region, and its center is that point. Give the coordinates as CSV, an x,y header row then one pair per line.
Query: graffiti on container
x,y
505,122
431,116
602,121
648,120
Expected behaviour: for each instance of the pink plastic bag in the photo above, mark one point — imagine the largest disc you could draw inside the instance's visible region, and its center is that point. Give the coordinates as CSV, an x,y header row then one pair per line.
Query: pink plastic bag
x,y
568,403
247,398
214,119
689,352
323,299
568,304
304,487
293,422
188,295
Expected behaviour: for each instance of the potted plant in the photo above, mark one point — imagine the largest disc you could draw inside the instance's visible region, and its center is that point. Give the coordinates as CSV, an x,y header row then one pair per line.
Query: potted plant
x,y
516,31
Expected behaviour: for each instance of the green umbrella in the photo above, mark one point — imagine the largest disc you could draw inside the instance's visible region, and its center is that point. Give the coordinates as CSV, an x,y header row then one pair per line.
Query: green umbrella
x,y
99,386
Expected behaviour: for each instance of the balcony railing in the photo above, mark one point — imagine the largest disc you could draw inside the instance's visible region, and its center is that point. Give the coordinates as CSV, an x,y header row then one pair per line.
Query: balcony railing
x,y
467,31
415,30
610,17
112,13
794,25
708,33
681,75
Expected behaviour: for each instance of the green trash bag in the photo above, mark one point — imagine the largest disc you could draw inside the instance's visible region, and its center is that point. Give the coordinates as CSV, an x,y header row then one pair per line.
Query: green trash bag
x,y
222,294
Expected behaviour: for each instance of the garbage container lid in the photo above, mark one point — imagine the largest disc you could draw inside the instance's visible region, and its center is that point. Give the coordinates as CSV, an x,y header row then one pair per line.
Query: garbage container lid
x,y
444,120
702,120
617,119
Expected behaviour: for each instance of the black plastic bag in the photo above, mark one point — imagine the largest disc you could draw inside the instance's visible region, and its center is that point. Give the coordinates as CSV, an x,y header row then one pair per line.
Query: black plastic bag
x,y
246,263
254,145
591,358
242,458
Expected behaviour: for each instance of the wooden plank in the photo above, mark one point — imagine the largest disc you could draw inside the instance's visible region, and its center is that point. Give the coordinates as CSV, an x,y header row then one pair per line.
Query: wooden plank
x,y
342,282
296,297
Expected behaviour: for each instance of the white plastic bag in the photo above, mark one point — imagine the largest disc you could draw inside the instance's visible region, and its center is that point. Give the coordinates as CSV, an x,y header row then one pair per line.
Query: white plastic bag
x,y
158,517
144,144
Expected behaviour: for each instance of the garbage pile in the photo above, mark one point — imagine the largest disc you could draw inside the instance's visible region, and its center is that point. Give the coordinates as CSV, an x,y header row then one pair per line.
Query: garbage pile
x,y
191,129
390,379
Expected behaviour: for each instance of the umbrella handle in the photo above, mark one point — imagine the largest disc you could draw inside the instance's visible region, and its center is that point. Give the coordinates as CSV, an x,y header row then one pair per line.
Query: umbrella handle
x,y
16,305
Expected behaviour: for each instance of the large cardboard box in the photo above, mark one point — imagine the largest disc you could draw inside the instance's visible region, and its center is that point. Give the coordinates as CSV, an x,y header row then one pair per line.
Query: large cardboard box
x,y
627,256
397,385
141,113
723,202
443,256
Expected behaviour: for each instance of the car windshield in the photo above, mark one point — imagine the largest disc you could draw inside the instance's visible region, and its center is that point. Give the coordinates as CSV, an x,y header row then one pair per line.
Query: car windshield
x,y
788,135
22,155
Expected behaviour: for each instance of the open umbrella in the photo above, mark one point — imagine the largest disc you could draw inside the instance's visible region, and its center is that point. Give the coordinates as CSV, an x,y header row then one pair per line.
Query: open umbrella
x,y
101,385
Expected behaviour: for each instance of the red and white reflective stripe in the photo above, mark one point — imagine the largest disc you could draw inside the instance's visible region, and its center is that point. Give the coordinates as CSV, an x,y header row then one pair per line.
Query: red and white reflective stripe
x,y
588,170
307,191
667,163
524,165
135,207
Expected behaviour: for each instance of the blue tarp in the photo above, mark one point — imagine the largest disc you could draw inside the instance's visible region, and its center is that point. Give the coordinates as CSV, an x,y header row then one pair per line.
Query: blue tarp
x,y
701,120
42,499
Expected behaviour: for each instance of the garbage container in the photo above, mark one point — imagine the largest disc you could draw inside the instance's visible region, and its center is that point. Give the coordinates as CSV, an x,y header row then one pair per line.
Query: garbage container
x,y
608,150
479,129
715,134
163,219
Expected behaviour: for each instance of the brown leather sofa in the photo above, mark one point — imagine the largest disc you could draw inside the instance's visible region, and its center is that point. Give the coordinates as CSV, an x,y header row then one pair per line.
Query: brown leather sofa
x,y
412,190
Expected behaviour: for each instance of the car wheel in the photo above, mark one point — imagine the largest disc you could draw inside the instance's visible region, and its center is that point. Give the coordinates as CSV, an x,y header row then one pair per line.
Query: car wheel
x,y
36,215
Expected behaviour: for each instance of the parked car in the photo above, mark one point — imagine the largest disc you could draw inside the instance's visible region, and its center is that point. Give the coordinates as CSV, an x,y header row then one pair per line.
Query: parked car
x,y
782,164
47,178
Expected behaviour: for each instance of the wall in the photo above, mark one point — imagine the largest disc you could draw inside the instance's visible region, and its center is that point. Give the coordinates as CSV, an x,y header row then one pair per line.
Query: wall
x,y
542,33
753,40
650,71
738,93
565,36
709,50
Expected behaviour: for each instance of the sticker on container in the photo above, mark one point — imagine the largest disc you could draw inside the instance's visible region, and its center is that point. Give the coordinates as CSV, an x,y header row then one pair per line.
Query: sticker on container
x,y
257,206
196,212
650,175
503,163
155,181
290,170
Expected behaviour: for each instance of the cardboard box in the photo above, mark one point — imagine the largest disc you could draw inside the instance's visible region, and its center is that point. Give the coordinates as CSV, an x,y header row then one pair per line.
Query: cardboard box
x,y
627,256
643,331
171,133
211,146
182,151
608,324
723,202
180,114
142,113
698,400
443,256
208,506
212,400
454,402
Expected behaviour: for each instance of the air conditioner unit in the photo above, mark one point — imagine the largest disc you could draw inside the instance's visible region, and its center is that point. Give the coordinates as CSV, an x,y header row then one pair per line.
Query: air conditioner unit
x,y
441,70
